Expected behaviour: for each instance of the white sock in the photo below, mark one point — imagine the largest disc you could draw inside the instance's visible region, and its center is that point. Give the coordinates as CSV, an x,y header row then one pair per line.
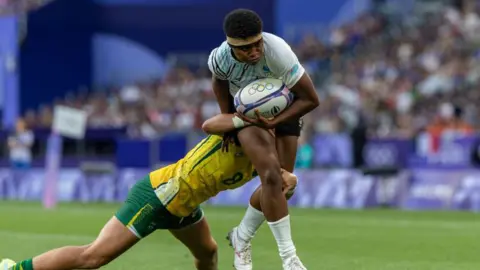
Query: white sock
x,y
250,224
282,232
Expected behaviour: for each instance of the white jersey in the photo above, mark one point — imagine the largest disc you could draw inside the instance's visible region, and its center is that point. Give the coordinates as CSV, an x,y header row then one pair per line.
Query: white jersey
x,y
278,61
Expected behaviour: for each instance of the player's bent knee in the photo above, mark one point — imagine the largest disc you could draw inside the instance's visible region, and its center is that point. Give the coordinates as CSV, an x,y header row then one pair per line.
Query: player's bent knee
x,y
208,257
270,171
210,252
271,179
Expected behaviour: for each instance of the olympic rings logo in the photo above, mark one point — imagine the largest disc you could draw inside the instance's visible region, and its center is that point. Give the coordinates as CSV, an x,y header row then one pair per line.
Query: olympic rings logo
x,y
259,87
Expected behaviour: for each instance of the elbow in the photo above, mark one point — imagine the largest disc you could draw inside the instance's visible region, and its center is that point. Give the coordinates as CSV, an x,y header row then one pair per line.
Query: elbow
x,y
207,127
313,103
315,100
210,127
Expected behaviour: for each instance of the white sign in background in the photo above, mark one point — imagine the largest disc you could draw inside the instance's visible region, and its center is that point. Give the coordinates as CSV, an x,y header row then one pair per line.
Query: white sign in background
x,y
69,122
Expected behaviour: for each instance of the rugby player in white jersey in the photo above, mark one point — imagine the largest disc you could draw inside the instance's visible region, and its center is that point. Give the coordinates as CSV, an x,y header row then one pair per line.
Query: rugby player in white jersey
x,y
249,54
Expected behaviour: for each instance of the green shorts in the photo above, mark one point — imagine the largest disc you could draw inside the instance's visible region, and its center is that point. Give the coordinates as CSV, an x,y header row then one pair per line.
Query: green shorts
x,y
143,213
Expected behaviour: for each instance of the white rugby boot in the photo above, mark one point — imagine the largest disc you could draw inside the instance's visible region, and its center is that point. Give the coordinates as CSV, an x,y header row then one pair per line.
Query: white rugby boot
x,y
293,263
243,251
6,264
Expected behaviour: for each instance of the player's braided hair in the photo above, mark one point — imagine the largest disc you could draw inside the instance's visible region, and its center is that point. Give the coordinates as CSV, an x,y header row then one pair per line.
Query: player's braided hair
x,y
242,23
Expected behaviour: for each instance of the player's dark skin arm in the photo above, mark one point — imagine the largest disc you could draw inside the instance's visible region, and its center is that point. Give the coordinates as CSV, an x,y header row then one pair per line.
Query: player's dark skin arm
x,y
221,90
306,100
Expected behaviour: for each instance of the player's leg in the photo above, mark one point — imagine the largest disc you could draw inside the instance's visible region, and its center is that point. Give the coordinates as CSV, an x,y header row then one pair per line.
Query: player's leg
x,y
254,218
133,221
113,240
287,152
286,145
259,146
198,239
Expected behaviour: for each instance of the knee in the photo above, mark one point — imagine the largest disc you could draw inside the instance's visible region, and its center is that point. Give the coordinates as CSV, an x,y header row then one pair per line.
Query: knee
x,y
208,256
92,259
270,174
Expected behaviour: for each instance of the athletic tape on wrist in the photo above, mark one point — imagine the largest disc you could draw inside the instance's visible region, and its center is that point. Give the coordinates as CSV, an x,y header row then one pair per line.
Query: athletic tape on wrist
x,y
238,122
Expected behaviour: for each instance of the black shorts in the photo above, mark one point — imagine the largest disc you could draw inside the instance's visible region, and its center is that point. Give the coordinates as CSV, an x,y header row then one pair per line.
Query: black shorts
x,y
143,213
290,128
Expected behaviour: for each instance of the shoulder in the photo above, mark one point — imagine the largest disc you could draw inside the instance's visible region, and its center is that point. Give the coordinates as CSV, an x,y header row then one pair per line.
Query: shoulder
x,y
278,54
220,53
276,46
219,60
281,60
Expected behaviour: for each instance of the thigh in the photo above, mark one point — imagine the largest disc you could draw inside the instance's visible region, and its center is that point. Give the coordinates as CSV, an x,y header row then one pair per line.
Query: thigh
x,y
141,209
114,239
287,151
197,238
259,146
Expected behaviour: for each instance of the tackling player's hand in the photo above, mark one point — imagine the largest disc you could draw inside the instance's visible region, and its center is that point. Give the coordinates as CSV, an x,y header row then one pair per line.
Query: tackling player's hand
x,y
260,121
228,138
289,183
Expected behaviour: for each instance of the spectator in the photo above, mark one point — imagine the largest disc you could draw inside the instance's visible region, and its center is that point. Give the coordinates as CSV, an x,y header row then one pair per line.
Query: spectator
x,y
19,145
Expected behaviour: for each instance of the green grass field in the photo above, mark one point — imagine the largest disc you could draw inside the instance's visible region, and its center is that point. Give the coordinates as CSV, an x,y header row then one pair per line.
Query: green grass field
x,y
325,239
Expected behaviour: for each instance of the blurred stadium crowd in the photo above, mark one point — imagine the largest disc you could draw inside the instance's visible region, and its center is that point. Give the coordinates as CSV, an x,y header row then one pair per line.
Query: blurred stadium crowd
x,y
393,75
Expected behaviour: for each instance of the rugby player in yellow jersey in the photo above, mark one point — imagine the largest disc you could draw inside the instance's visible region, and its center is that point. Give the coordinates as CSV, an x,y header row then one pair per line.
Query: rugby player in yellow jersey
x,y
168,198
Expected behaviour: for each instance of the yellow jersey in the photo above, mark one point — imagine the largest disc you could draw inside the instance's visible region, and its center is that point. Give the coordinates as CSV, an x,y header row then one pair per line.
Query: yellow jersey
x,y
201,174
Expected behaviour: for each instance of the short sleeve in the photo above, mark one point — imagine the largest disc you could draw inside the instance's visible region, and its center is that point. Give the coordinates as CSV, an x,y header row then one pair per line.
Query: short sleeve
x,y
216,64
284,63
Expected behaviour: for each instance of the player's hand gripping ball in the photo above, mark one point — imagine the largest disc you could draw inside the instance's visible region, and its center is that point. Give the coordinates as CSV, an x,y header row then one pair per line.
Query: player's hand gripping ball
x,y
269,97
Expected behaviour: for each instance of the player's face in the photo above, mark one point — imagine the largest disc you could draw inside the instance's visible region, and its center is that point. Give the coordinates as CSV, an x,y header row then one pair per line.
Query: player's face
x,y
250,54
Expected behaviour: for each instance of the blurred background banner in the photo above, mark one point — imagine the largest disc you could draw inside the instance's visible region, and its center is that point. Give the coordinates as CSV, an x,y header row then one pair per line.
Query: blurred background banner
x,y
428,190
398,82
158,2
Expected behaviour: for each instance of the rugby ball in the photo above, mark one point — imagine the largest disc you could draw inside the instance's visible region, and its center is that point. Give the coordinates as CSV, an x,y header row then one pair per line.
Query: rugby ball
x,y
269,96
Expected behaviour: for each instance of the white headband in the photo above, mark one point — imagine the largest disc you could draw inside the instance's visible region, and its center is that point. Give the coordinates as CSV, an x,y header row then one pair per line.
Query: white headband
x,y
242,42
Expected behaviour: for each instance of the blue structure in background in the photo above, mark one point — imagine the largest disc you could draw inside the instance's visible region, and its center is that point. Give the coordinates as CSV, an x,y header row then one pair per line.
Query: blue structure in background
x,y
56,56
119,61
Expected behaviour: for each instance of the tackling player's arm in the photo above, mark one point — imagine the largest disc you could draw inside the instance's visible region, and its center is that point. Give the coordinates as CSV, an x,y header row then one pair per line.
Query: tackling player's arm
x,y
220,88
222,123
